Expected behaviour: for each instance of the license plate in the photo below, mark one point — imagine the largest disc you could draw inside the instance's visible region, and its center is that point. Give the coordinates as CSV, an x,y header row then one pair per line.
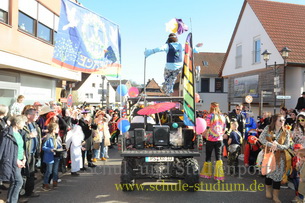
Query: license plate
x,y
159,159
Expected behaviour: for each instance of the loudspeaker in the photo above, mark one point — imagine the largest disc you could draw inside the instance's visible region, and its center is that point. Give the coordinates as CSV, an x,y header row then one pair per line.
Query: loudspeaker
x,y
139,138
188,135
161,135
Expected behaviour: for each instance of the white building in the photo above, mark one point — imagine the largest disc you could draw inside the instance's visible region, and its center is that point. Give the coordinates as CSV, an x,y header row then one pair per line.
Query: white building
x,y
93,89
209,85
267,25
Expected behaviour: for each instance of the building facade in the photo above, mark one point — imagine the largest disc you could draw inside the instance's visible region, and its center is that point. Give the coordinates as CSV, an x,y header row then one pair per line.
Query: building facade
x,y
209,86
27,30
279,77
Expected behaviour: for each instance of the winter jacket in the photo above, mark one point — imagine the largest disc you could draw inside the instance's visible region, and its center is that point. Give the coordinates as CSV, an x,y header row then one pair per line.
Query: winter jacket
x,y
8,155
25,133
48,145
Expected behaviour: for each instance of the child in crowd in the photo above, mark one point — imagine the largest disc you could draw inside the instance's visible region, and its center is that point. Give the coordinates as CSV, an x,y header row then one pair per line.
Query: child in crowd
x,y
295,178
301,168
49,147
252,148
234,142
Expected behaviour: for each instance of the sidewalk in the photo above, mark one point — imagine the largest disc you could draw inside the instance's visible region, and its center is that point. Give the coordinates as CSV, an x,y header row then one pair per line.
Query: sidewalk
x,y
115,159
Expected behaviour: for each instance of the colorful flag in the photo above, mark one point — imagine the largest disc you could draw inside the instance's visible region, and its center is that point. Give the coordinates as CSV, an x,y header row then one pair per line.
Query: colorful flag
x,y
176,26
189,117
87,42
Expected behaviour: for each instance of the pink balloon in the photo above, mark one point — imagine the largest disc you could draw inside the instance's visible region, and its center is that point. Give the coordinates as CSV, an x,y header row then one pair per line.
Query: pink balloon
x,y
197,97
133,92
201,125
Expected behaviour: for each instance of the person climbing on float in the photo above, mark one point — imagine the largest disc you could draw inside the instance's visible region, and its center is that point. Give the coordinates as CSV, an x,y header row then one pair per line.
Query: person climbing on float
x,y
174,61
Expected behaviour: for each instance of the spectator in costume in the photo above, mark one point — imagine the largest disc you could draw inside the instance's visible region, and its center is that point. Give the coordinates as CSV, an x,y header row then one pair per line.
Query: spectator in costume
x,y
298,133
276,138
216,125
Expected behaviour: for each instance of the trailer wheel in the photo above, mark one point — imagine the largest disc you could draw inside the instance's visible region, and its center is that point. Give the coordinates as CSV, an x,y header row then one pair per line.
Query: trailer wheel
x,y
127,175
191,174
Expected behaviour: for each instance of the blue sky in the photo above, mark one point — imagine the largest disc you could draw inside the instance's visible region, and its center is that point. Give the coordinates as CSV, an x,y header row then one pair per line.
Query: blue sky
x,y
142,25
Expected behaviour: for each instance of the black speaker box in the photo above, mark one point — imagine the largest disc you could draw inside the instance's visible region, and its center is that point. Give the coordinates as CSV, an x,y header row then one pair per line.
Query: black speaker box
x,y
139,138
161,135
188,135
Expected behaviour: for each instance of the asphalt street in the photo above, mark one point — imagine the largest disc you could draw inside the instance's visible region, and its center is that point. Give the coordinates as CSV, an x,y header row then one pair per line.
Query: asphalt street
x,y
98,185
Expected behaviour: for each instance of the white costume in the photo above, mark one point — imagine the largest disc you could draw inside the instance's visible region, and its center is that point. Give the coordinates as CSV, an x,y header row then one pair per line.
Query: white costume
x,y
74,142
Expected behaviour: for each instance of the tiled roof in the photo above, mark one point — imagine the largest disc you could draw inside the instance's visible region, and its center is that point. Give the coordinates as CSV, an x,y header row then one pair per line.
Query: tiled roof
x,y
214,61
152,84
285,24
153,89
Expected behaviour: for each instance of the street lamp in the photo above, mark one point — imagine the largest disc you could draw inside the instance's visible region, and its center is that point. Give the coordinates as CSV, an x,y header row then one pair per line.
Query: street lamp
x,y
266,56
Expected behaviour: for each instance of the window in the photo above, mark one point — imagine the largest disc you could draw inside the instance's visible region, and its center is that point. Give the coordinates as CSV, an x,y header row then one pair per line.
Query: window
x,y
44,32
93,84
91,96
87,96
205,84
218,85
4,5
37,20
26,23
238,56
257,51
101,85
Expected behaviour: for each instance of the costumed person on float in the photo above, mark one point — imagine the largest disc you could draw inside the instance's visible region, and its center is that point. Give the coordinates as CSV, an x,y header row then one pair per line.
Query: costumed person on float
x,y
174,58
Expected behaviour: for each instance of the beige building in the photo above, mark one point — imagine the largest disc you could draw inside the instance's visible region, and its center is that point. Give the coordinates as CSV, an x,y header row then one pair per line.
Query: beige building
x,y
27,31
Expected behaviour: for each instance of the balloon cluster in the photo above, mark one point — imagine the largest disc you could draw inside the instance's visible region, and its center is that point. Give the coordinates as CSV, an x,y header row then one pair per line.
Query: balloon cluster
x,y
123,125
122,90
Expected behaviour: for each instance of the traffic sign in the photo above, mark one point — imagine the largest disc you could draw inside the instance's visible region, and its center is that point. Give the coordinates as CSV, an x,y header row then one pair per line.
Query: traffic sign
x,y
265,92
63,100
69,100
283,97
249,99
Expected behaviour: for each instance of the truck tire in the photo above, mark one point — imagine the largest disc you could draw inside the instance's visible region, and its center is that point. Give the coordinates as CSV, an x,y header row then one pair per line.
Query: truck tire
x,y
127,174
191,174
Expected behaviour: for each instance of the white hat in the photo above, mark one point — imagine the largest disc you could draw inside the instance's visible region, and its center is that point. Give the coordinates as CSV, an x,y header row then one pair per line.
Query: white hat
x,y
44,110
